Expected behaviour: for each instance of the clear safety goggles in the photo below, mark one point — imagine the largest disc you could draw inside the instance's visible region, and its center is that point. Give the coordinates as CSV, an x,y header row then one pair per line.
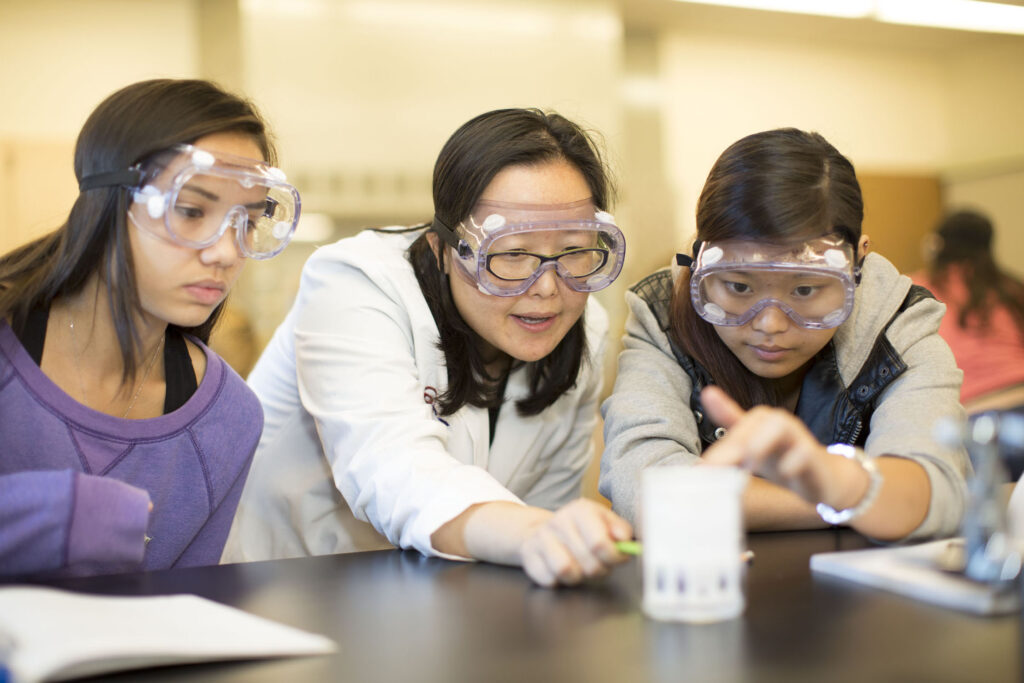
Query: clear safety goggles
x,y
506,247
193,196
812,282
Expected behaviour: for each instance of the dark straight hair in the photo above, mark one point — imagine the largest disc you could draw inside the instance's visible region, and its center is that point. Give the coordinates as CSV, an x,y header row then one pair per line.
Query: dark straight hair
x,y
966,244
126,128
468,162
775,186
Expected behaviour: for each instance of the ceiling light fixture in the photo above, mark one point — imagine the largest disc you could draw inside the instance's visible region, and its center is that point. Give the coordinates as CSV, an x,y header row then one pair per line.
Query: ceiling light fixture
x,y
837,8
964,15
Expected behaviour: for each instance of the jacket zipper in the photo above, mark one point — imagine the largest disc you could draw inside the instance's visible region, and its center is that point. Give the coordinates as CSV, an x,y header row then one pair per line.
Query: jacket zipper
x,y
856,432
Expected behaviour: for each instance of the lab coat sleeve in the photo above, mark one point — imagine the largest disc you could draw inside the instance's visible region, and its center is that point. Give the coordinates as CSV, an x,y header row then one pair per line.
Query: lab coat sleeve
x,y
647,417
358,378
65,520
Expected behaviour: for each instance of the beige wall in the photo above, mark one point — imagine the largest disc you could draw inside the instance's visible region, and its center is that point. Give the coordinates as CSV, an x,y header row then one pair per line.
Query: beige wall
x,y
987,167
363,93
30,207
883,108
379,85
985,96
58,59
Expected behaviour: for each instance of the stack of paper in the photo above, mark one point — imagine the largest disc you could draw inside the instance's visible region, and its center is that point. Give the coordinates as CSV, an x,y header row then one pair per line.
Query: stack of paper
x,y
48,634
913,571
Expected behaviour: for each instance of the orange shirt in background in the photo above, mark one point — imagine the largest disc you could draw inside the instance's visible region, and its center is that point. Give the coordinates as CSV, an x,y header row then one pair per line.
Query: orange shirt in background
x,y
991,357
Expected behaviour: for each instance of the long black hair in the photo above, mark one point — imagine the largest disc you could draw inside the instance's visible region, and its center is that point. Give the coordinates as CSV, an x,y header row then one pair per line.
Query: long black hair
x,y
127,127
966,244
777,185
469,160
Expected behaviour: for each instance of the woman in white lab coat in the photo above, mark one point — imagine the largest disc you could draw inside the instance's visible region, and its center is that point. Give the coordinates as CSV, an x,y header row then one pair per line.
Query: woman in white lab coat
x,y
436,387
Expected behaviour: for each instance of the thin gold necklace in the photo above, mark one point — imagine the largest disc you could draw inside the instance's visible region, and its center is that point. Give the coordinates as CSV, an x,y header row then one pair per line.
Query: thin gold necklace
x,y
78,369
74,354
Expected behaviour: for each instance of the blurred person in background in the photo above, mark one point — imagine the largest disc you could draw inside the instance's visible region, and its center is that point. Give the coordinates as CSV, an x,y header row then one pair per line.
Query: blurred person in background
x,y
984,321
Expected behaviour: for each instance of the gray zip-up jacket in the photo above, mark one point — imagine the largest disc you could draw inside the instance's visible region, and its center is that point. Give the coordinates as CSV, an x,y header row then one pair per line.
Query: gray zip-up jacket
x,y
881,383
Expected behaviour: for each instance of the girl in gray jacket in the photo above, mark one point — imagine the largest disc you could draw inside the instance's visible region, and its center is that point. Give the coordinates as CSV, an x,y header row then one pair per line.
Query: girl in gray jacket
x,y
828,369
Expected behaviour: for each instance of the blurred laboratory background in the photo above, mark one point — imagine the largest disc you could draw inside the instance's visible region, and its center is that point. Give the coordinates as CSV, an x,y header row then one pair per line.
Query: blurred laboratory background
x,y
361,95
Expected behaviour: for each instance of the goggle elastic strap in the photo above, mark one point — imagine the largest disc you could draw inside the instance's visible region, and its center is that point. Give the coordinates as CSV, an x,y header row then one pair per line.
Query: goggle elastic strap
x,y
686,260
130,177
453,240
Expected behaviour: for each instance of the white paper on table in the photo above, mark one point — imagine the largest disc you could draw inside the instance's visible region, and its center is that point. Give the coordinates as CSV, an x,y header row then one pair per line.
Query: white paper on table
x,y
57,635
913,571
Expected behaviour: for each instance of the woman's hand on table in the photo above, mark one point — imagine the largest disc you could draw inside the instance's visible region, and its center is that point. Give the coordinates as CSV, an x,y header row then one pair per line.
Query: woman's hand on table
x,y
574,543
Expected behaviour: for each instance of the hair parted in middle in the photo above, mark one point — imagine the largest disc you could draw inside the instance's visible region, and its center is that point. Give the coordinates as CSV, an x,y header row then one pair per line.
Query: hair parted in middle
x,y
468,162
777,186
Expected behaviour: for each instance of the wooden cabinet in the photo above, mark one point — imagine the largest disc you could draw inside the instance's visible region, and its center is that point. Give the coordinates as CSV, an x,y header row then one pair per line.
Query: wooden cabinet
x,y
899,210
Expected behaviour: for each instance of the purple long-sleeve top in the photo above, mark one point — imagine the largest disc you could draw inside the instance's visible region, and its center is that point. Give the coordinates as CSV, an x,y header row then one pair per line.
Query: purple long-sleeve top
x,y
75,484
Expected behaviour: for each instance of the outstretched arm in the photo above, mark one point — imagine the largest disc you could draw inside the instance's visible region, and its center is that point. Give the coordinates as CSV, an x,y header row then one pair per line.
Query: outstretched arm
x,y
776,445
768,506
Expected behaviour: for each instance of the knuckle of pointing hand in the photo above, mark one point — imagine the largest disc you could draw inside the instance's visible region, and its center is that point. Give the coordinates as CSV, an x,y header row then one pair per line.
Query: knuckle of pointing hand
x,y
763,413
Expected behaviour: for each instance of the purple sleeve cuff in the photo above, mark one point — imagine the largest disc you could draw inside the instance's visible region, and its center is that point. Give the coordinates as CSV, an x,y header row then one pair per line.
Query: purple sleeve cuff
x,y
108,524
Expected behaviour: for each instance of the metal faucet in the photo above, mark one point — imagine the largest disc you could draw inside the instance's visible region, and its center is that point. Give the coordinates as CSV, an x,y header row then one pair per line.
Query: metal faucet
x,y
990,554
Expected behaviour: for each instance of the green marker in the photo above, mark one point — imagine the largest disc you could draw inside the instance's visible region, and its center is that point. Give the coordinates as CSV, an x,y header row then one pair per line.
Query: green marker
x,y
629,547
635,548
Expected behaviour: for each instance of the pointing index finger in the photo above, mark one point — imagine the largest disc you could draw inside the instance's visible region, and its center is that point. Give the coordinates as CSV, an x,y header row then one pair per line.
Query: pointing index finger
x,y
720,407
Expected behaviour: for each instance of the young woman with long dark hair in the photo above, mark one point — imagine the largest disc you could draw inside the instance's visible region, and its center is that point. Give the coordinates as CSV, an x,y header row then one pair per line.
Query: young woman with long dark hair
x,y
783,346
126,441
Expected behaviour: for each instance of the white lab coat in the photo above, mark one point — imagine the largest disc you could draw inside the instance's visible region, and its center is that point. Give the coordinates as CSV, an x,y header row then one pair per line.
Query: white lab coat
x,y
353,456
